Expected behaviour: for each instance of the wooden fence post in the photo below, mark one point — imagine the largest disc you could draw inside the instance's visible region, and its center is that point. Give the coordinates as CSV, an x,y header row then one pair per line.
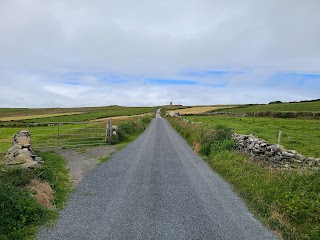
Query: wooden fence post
x,y
58,134
280,137
107,133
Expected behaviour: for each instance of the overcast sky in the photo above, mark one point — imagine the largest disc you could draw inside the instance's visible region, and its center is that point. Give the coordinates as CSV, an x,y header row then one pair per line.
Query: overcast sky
x,y
67,53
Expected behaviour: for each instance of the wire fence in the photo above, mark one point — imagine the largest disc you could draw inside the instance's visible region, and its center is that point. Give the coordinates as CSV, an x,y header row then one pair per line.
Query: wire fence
x,y
68,134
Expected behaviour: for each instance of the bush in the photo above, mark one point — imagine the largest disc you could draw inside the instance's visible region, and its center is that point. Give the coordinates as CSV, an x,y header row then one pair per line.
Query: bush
x,y
18,209
227,144
217,139
210,139
130,128
275,102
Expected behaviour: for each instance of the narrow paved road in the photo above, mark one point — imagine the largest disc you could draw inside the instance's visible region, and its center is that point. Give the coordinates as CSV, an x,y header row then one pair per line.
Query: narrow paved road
x,y
155,188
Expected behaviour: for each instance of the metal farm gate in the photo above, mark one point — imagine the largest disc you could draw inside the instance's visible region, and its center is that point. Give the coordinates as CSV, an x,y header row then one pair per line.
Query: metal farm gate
x,y
69,134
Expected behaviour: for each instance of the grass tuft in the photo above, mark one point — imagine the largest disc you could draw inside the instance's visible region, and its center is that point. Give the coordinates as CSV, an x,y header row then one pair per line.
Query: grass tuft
x,y
104,159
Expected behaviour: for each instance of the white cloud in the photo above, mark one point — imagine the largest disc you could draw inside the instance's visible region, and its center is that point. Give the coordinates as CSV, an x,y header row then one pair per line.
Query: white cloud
x,y
41,41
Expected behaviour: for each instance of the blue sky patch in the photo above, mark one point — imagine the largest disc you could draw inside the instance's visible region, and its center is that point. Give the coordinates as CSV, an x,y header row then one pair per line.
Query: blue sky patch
x,y
75,77
295,79
72,83
212,73
221,85
157,81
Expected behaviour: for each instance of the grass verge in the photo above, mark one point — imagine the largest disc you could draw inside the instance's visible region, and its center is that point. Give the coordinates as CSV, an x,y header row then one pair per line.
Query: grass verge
x,y
288,202
20,214
131,129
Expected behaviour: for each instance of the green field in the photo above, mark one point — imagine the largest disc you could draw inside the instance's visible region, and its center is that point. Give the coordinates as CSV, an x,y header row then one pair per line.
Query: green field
x,y
11,112
86,114
8,129
6,135
302,135
281,107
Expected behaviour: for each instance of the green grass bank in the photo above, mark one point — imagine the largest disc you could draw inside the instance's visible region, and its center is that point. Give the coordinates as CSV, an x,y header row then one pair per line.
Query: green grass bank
x,y
288,202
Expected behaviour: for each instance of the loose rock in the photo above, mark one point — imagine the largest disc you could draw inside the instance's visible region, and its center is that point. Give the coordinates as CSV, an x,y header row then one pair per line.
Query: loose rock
x,y
21,152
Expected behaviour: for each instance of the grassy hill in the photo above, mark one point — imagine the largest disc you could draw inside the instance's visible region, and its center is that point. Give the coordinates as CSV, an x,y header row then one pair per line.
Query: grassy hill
x,y
24,115
306,110
280,107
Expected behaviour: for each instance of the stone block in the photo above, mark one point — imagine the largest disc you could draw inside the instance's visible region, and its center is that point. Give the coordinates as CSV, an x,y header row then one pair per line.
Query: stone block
x,y
287,154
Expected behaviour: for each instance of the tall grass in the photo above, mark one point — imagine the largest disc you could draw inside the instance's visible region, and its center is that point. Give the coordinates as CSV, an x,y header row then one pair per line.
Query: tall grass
x,y
286,201
20,214
131,129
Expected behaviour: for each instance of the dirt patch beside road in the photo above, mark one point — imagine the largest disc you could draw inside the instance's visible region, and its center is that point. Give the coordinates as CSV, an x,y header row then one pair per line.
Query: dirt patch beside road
x,y
82,162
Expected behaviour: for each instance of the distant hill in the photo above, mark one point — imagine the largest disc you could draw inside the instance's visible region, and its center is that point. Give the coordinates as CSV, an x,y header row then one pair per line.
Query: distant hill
x,y
304,106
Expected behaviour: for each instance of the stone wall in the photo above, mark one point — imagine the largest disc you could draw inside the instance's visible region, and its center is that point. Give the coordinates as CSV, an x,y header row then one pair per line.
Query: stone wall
x,y
21,152
274,154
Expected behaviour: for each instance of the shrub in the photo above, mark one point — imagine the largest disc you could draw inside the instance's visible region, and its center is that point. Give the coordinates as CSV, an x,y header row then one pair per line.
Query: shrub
x,y
18,209
130,127
275,102
114,139
216,139
227,144
210,139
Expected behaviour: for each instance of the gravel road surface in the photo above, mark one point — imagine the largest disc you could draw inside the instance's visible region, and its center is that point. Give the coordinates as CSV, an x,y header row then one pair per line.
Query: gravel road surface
x,y
81,164
155,188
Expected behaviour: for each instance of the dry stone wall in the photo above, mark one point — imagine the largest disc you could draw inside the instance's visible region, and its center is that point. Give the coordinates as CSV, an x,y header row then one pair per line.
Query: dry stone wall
x,y
275,154
270,153
21,152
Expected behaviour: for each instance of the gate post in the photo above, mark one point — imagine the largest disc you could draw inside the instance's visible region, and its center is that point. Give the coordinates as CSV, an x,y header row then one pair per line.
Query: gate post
x,y
109,130
280,137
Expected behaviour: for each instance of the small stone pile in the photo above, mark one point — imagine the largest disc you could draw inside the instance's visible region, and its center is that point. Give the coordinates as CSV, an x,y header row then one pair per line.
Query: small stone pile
x,y
173,114
21,152
114,130
276,154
